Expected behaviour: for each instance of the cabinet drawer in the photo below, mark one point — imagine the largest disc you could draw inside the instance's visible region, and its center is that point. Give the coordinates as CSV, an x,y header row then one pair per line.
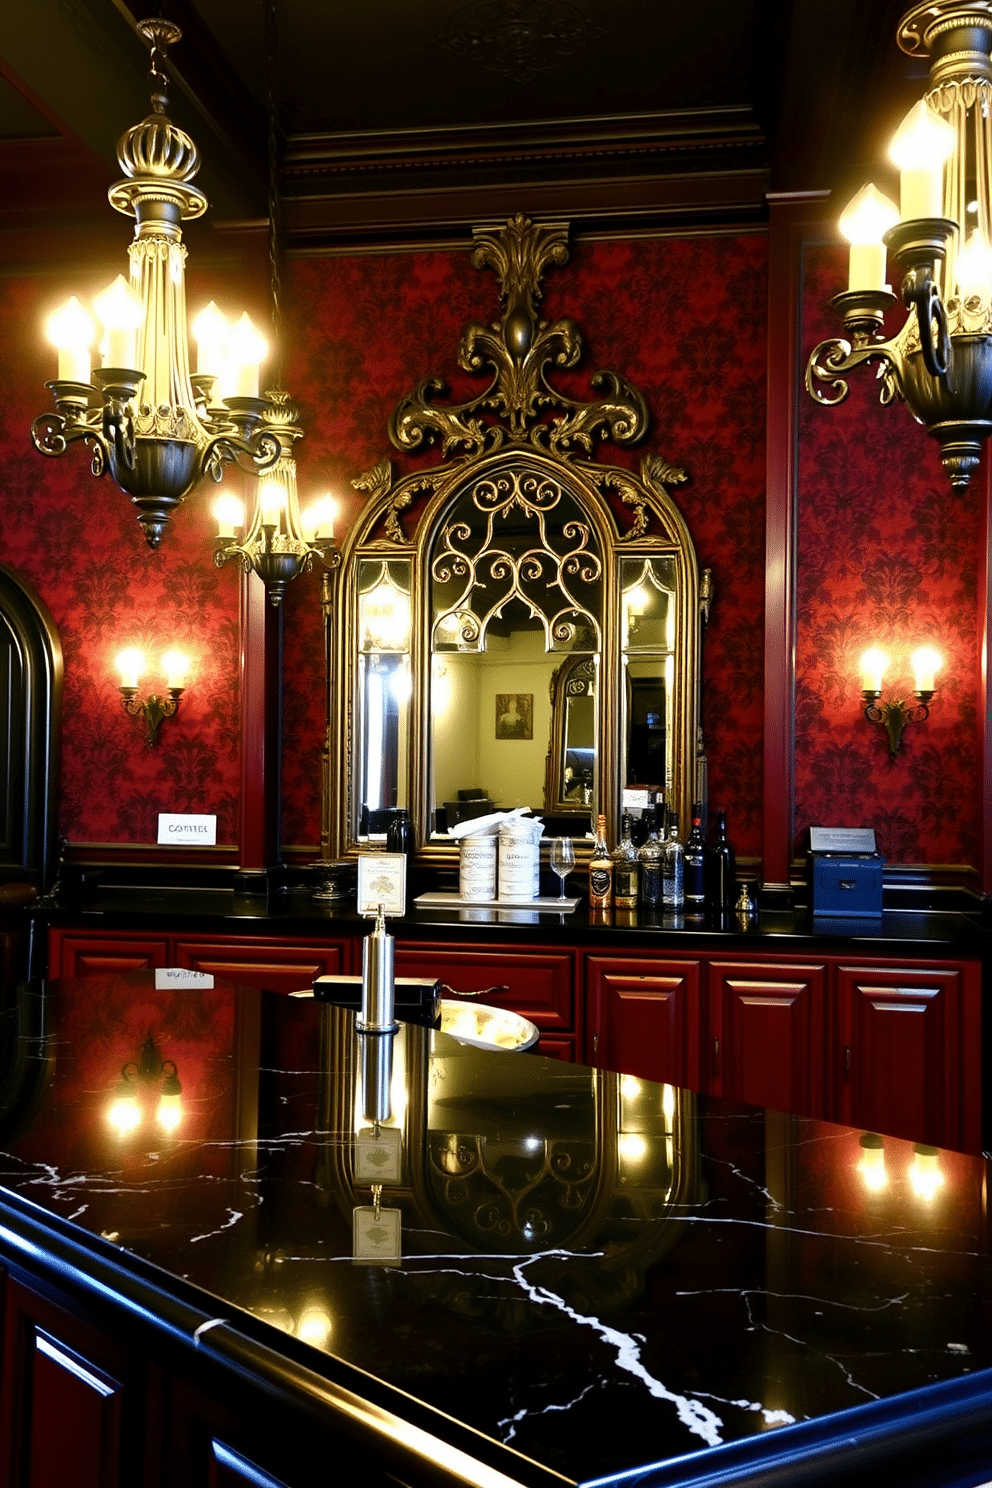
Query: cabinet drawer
x,y
539,984
279,966
95,955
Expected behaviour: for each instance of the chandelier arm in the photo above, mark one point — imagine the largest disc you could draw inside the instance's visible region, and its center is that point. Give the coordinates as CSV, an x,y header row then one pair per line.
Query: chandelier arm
x,y
832,360
262,451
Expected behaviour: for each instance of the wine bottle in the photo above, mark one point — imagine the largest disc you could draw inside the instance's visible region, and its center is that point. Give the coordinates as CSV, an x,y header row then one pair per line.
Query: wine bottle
x,y
721,895
626,868
600,870
649,856
695,865
672,867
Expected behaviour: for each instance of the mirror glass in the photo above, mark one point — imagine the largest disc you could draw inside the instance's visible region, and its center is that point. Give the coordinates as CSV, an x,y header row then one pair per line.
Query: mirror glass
x,y
385,688
516,579
648,617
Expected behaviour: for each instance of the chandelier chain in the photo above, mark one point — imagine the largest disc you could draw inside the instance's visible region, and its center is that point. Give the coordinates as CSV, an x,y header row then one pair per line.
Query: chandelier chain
x,y
275,222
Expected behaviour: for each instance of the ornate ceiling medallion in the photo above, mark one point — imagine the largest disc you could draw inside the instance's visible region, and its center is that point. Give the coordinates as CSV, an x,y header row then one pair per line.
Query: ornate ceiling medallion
x,y
518,38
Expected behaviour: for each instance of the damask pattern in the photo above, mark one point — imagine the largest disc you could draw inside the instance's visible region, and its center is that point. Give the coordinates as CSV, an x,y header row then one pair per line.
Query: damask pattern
x,y
683,320
888,553
76,540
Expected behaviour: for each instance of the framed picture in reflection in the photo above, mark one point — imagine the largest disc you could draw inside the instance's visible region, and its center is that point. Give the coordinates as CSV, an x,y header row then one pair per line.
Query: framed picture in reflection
x,y
514,715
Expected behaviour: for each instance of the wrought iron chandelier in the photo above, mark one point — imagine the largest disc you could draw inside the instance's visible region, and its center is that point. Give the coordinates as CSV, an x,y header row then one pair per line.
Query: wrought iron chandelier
x,y
155,426
274,538
939,238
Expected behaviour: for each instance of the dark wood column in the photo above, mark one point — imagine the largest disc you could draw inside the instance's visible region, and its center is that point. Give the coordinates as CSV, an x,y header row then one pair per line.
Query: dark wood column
x,y
794,220
260,867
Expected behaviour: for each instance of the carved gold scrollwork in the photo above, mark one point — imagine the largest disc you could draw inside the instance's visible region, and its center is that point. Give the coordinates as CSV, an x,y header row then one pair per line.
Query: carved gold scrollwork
x,y
520,404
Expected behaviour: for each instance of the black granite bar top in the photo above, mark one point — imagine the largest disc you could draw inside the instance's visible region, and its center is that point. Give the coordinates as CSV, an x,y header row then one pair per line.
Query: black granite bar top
x,y
297,913
597,1272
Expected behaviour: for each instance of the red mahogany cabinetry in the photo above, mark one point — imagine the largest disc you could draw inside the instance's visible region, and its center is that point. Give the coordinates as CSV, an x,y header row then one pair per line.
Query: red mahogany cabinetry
x,y
885,1043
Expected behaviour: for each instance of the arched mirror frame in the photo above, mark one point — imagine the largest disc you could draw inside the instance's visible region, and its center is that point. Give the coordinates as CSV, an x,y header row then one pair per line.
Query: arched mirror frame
x,y
508,428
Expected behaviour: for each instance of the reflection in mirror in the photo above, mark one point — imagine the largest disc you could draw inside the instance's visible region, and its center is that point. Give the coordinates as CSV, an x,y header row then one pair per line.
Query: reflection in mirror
x,y
571,784
515,578
384,689
648,587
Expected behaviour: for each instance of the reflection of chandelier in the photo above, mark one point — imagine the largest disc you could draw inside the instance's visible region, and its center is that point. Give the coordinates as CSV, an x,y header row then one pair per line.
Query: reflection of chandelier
x,y
384,615
156,428
940,361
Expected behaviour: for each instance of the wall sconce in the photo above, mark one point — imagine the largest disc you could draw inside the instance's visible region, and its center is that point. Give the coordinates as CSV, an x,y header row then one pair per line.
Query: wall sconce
x,y
125,1113
895,713
154,708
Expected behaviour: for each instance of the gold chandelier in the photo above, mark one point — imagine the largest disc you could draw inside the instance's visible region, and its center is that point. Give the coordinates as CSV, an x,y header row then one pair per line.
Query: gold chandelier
x,y
157,427
940,239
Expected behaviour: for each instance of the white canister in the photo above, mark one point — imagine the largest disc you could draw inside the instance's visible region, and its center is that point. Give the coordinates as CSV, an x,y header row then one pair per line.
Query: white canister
x,y
518,867
477,869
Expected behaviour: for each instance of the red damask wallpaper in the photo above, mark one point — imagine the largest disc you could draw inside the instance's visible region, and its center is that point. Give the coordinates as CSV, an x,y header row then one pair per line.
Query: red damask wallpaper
x,y
888,553
684,319
78,543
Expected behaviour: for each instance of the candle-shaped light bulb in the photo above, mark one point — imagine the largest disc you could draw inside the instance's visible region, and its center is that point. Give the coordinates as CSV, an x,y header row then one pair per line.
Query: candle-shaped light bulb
x,y
247,348
120,313
926,663
873,664
229,514
175,666
210,332
272,502
919,148
864,222
318,519
974,267
130,663
71,330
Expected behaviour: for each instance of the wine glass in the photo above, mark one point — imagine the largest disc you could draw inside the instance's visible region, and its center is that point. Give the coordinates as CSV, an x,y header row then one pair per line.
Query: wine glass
x,y
562,859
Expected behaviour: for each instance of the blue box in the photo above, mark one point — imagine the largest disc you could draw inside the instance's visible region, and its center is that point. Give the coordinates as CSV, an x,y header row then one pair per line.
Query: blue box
x,y
845,873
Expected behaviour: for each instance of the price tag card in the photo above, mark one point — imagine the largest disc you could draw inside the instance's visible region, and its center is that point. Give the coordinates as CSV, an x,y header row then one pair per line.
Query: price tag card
x,y
382,880
376,1236
377,1157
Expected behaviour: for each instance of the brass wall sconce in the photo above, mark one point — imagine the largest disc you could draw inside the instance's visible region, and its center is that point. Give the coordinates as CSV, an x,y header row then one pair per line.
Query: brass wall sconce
x,y
154,708
894,713
148,1072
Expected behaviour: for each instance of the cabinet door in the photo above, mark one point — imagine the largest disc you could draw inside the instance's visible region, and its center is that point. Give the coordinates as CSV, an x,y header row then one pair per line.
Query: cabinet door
x,y
644,1017
910,1062
281,967
74,1410
75,955
538,984
768,1034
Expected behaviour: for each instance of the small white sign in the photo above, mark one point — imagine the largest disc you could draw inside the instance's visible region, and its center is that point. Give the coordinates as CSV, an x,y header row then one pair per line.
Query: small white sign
x,y
636,800
382,880
183,830
182,977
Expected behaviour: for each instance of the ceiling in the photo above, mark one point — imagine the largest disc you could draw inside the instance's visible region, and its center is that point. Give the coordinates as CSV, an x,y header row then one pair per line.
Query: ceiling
x,y
401,121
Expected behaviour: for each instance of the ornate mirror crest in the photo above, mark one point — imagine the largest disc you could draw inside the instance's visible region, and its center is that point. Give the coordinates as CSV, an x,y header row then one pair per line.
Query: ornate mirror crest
x,y
517,546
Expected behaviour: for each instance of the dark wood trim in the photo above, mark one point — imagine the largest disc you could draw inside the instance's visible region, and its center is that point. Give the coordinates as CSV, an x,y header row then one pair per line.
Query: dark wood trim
x,y
793,221
261,738
984,484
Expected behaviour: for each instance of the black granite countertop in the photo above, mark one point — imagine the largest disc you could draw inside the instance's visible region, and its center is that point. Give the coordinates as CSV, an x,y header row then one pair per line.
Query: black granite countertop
x,y
218,910
598,1272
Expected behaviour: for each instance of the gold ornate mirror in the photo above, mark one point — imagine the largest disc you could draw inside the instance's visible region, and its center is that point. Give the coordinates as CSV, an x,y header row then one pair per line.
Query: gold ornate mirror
x,y
519,625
